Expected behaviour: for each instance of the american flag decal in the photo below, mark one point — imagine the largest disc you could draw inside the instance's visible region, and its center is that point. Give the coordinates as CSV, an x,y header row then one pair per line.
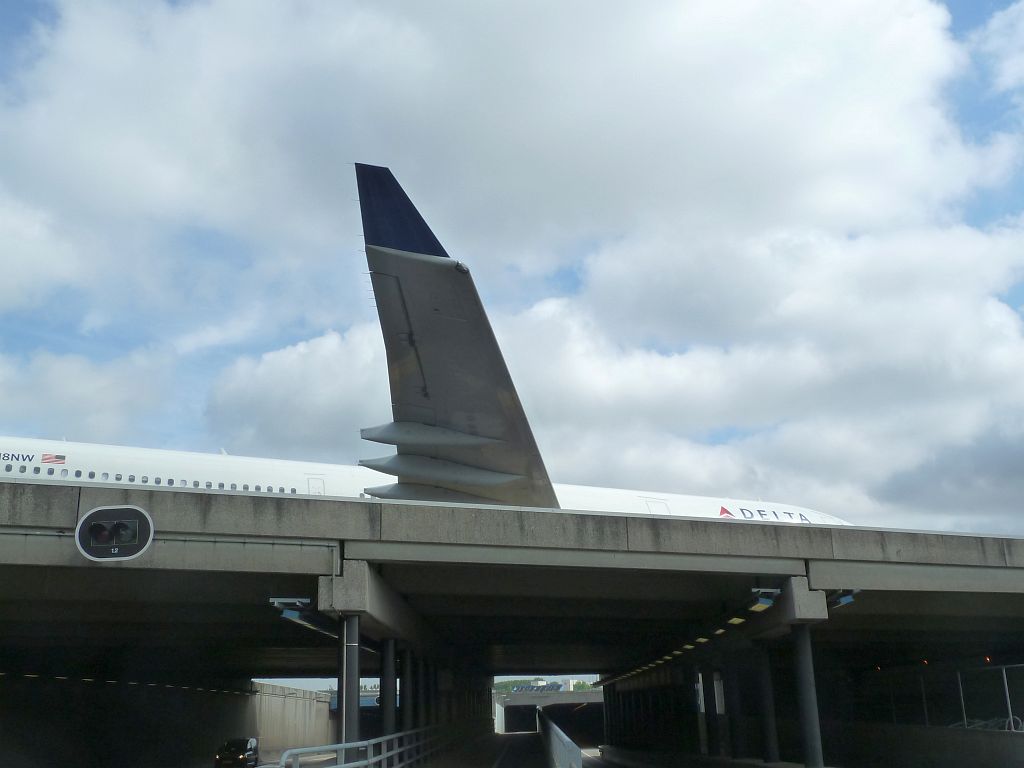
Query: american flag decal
x,y
53,458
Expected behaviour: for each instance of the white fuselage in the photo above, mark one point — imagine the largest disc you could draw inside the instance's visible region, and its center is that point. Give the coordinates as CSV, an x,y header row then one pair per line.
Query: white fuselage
x,y
61,462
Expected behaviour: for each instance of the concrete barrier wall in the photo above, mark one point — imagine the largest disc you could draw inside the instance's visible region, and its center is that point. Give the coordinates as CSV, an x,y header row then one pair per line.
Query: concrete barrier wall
x,y
48,722
882,745
873,744
289,717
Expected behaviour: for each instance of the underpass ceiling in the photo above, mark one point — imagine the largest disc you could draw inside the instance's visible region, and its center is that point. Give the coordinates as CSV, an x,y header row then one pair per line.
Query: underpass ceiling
x,y
509,619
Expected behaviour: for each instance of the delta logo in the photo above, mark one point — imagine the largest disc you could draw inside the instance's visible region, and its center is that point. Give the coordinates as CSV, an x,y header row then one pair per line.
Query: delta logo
x,y
765,514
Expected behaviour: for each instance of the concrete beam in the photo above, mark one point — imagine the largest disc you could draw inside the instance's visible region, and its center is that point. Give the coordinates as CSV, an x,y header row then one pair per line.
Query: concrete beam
x,y
187,511
923,547
491,526
795,605
914,577
360,590
712,537
493,555
177,553
546,698
39,506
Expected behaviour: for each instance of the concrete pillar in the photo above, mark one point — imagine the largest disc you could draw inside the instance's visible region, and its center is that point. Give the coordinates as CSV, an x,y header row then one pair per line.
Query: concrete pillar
x,y
606,702
339,720
615,717
406,696
421,692
351,720
707,677
734,709
434,706
769,729
810,728
388,687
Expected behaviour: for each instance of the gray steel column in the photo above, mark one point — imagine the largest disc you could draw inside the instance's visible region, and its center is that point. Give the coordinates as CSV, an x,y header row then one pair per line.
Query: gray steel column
x,y
351,678
421,692
429,689
769,729
733,709
339,720
606,697
405,691
707,678
810,729
388,687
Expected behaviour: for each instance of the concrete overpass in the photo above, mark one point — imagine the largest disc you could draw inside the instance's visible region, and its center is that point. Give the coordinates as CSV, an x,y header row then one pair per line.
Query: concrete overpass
x,y
475,591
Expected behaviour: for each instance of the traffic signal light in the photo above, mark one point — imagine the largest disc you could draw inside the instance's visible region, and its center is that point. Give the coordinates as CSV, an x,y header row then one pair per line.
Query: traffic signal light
x,y
114,533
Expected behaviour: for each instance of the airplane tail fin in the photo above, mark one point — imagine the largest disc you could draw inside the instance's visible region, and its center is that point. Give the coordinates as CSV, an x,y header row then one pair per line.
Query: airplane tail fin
x,y
459,427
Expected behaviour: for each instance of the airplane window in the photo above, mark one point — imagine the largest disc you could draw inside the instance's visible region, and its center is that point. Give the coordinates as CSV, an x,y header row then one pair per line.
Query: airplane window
x,y
63,473
182,483
131,478
220,486
22,468
145,478
78,473
209,484
118,477
105,476
294,491
156,480
234,487
245,486
8,468
49,471
35,470
92,475
195,483
280,490
258,488
270,489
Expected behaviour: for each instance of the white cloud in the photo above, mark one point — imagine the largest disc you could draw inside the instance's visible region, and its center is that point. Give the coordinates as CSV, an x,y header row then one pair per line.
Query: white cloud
x,y
73,397
777,295
1001,40
36,258
308,400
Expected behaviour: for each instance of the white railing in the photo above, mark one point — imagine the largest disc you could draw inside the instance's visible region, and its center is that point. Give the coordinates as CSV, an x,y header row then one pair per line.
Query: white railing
x,y
398,750
561,751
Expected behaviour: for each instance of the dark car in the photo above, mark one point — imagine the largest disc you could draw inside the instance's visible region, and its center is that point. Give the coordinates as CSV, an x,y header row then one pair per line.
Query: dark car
x,y
238,752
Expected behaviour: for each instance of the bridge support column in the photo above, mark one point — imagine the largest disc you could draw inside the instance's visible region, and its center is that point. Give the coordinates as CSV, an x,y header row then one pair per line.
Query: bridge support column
x,y
388,687
734,709
714,736
421,692
351,679
810,728
608,694
405,690
769,730
431,692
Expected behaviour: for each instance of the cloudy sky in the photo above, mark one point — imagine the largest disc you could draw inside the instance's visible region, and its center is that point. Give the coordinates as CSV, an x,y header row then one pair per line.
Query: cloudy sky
x,y
763,250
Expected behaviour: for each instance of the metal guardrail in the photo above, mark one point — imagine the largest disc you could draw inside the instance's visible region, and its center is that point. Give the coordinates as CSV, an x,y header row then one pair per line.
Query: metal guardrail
x,y
398,750
561,751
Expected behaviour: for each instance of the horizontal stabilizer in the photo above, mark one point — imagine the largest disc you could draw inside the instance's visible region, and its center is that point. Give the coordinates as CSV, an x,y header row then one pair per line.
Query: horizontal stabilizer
x,y
437,471
412,434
